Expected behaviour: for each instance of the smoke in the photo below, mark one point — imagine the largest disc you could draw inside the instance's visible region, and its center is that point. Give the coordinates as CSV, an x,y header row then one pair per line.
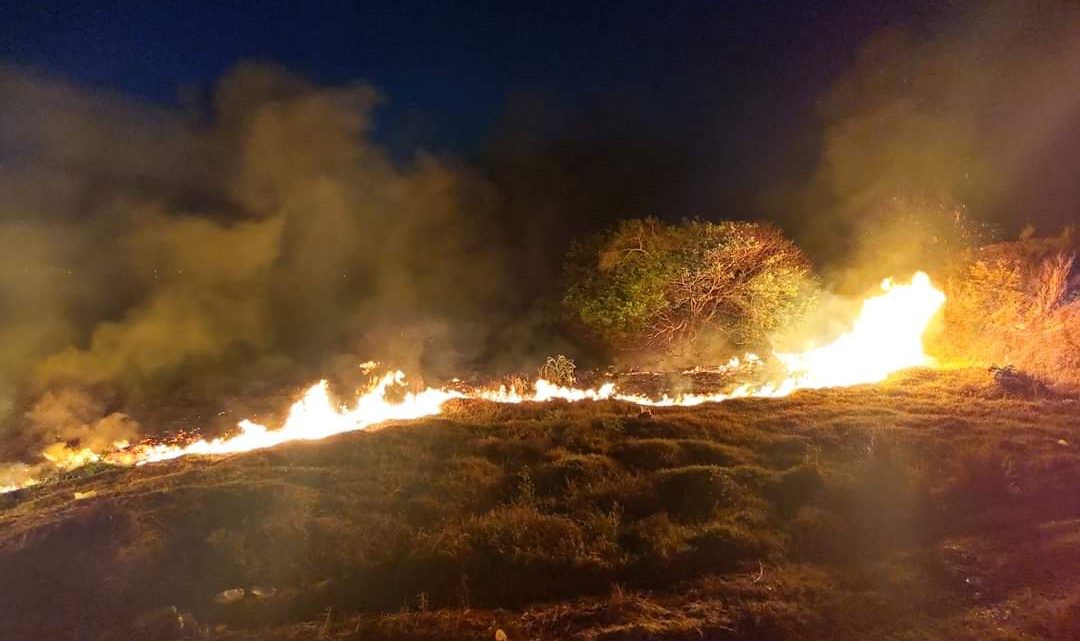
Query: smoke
x,y
945,130
157,262
156,259
69,415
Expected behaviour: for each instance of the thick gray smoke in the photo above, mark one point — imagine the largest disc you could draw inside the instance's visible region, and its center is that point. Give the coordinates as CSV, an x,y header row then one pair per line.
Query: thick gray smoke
x,y
153,256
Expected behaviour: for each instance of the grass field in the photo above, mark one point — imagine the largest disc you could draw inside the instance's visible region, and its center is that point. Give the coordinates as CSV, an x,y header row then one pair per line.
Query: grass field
x,y
934,506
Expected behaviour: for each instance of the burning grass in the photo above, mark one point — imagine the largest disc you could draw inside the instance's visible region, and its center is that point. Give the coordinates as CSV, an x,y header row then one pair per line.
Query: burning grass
x,y
885,337
935,505
1016,304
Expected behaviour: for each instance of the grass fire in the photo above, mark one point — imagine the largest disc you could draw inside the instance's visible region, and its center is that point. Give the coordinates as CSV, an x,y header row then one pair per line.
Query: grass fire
x,y
664,325
886,337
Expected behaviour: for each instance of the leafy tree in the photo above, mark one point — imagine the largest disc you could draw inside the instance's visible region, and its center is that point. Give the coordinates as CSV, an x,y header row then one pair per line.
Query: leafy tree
x,y
648,285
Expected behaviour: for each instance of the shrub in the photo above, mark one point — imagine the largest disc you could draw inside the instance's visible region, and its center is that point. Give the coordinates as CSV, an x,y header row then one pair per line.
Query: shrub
x,y
466,480
635,496
654,541
696,451
522,535
885,498
558,370
649,284
573,470
658,453
818,534
982,477
793,488
519,553
776,620
342,551
649,453
694,492
465,475
723,547
1016,304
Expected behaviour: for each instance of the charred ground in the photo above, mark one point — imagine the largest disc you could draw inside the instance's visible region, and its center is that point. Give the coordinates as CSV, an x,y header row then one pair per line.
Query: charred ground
x,y
936,506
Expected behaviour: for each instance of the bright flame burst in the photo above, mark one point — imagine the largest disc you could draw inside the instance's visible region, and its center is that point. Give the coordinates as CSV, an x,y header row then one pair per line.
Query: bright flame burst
x,y
886,337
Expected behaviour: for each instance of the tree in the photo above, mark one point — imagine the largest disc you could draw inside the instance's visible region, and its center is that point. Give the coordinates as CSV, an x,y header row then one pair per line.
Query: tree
x,y
647,285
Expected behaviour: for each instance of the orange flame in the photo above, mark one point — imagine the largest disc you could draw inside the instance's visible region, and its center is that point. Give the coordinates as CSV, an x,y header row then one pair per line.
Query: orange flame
x,y
886,337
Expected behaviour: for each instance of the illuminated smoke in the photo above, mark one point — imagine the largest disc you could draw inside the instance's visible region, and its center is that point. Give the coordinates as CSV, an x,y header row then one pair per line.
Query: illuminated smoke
x,y
884,338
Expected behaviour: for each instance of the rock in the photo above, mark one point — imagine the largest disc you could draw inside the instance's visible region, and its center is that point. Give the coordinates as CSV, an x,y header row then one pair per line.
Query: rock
x,y
228,597
500,635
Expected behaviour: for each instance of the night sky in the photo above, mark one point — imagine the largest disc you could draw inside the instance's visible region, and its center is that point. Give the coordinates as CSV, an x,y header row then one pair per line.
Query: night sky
x,y
733,83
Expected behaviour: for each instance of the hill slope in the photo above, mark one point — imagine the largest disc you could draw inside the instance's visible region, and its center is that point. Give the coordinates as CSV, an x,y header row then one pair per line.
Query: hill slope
x,y
935,506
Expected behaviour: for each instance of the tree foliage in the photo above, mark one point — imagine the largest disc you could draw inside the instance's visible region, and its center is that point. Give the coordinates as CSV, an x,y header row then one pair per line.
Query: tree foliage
x,y
648,285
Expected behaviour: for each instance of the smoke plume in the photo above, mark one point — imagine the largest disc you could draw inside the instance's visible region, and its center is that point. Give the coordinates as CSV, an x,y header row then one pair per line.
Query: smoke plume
x,y
161,262
154,258
943,130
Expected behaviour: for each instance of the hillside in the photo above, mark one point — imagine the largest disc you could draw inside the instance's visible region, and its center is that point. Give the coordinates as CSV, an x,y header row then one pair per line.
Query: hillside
x,y
937,505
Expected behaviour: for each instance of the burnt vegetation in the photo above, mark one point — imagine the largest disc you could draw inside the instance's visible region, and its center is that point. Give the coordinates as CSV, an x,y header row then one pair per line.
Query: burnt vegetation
x,y
938,505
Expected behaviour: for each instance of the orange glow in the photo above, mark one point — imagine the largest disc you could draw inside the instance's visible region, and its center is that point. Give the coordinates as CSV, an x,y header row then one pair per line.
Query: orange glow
x,y
885,337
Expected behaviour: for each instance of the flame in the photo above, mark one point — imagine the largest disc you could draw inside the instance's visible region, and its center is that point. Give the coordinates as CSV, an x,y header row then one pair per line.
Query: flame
x,y
67,458
314,416
885,337
24,483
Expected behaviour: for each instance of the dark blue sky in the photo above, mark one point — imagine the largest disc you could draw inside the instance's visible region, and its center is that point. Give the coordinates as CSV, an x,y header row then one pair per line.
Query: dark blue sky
x,y
734,83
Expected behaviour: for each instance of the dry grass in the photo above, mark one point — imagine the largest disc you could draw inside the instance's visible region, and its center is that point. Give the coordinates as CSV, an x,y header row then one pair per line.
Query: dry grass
x,y
1016,304
933,507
